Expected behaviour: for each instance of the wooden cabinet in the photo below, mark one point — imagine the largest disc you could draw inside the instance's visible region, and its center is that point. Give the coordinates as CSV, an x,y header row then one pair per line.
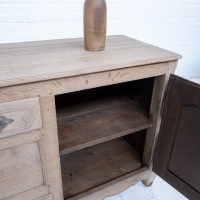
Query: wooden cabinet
x,y
81,125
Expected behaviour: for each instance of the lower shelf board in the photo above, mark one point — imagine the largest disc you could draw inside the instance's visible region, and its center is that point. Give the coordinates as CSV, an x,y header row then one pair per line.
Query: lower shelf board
x,y
94,166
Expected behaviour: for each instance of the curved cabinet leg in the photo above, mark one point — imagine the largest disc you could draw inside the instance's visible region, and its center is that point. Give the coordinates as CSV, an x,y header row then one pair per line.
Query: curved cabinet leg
x,y
150,180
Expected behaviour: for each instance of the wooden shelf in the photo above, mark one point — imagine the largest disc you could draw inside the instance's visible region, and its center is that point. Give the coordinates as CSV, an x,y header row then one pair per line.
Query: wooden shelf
x,y
91,167
101,120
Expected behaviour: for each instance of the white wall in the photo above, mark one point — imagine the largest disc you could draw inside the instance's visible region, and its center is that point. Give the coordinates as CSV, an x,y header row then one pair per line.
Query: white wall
x,y
171,24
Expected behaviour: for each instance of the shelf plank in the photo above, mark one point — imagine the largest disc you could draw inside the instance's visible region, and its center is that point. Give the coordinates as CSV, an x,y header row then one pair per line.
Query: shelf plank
x,y
116,186
88,102
97,165
87,129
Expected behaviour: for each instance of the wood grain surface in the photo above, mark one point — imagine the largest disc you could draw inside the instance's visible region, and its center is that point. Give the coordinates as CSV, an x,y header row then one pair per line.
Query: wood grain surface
x,y
94,166
19,117
177,158
77,131
95,17
17,163
38,61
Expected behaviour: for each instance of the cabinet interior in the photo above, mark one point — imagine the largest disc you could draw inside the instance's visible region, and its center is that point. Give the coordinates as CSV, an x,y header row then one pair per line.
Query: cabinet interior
x,y
102,133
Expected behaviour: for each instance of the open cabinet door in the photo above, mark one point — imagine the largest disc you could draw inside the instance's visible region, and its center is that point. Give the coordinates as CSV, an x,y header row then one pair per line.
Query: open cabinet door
x,y
177,155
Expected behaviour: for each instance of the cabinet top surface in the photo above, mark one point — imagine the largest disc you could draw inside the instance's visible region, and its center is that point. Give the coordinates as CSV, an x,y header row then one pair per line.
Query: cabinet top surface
x,y
44,60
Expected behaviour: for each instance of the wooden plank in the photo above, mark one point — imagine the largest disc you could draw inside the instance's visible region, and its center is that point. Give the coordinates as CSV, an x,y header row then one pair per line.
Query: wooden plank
x,y
74,43
47,197
32,194
50,148
62,45
83,82
84,130
155,115
60,63
18,140
73,104
114,187
94,166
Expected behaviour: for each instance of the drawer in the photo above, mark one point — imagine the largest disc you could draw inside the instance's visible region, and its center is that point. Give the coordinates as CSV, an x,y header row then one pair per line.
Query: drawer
x,y
19,117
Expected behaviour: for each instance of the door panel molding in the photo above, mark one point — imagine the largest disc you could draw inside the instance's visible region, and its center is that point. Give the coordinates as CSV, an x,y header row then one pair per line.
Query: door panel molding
x,y
177,152
31,194
24,147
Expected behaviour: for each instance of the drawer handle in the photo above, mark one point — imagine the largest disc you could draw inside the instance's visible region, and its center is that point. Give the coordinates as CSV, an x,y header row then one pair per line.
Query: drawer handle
x,y
4,122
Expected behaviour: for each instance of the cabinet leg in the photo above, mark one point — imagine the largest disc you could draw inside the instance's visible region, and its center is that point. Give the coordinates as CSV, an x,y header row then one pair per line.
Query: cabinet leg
x,y
150,180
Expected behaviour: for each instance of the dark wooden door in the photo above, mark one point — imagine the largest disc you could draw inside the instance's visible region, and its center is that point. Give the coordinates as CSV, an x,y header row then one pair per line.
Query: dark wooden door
x,y
177,156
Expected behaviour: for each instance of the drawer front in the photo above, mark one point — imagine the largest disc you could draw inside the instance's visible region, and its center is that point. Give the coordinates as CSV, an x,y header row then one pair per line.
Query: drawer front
x,y
19,117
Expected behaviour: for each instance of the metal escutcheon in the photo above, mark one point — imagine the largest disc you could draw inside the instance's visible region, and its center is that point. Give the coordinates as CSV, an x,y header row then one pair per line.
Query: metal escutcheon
x,y
4,122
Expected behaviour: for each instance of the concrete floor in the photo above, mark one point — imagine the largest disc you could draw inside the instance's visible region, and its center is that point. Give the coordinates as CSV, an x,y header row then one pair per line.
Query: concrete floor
x,y
160,190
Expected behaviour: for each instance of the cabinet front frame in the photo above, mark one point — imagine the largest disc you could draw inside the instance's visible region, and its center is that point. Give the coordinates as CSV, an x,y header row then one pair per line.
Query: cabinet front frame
x,y
47,90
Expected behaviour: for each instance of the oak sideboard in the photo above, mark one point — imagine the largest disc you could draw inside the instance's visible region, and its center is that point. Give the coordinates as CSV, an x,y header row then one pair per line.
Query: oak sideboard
x,y
80,125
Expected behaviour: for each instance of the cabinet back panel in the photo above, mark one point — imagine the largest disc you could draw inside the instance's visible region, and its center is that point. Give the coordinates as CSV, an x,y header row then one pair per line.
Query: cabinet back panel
x,y
139,91
137,141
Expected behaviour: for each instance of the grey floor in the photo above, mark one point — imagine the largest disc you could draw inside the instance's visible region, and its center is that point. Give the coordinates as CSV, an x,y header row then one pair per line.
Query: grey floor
x,y
160,190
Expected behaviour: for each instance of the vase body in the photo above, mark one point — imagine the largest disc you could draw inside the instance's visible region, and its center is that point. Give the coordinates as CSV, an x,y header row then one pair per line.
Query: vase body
x,y
95,17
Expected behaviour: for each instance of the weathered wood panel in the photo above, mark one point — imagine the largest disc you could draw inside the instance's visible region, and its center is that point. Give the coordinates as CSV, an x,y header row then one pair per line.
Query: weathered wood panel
x,y
39,61
91,128
17,164
177,157
19,117
97,165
